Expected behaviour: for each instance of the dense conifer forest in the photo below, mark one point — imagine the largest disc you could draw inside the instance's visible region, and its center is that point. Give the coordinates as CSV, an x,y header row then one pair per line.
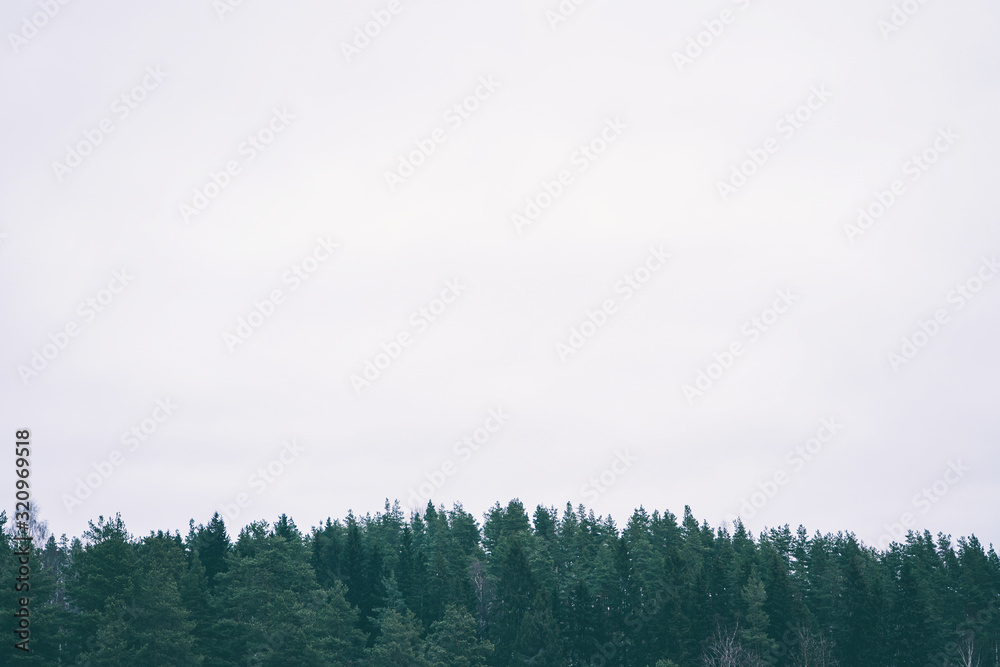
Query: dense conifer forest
x,y
440,588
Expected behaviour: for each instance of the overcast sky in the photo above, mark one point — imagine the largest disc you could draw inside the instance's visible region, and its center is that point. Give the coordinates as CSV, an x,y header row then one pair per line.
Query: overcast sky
x,y
692,300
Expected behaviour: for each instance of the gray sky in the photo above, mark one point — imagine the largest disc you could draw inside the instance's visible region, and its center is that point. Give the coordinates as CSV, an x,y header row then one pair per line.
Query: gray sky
x,y
599,328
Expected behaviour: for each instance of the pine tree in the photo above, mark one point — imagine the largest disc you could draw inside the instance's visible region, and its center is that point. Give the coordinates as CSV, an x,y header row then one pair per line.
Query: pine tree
x,y
859,630
514,591
213,546
196,598
453,641
272,611
753,630
398,643
327,553
537,641
101,585
547,591
162,629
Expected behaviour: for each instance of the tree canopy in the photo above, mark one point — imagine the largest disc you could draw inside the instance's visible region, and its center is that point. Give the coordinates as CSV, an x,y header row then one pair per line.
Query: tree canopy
x,y
439,588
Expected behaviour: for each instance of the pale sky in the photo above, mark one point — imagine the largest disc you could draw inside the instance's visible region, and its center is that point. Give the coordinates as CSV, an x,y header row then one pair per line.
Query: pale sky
x,y
617,259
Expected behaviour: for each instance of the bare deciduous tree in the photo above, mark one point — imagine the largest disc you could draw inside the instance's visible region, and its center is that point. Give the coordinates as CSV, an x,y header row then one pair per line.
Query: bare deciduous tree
x,y
725,649
812,650
967,650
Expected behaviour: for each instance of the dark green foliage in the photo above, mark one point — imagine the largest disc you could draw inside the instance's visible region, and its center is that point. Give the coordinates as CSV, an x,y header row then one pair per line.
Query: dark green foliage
x,y
437,589
272,611
454,642
398,643
213,547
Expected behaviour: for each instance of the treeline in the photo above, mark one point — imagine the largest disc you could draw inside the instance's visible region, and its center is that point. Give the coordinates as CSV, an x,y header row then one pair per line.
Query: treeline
x,y
439,588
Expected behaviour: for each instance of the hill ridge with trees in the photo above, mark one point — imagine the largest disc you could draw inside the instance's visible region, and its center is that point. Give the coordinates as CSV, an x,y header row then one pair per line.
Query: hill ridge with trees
x,y
439,588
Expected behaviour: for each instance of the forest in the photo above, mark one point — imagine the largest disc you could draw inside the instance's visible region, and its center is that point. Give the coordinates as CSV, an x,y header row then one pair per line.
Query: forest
x,y
443,589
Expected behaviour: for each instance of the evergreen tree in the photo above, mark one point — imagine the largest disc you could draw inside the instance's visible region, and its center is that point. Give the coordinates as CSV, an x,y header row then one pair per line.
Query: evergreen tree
x,y
453,641
547,590
153,630
515,590
537,641
101,585
272,611
398,643
196,598
753,630
213,546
